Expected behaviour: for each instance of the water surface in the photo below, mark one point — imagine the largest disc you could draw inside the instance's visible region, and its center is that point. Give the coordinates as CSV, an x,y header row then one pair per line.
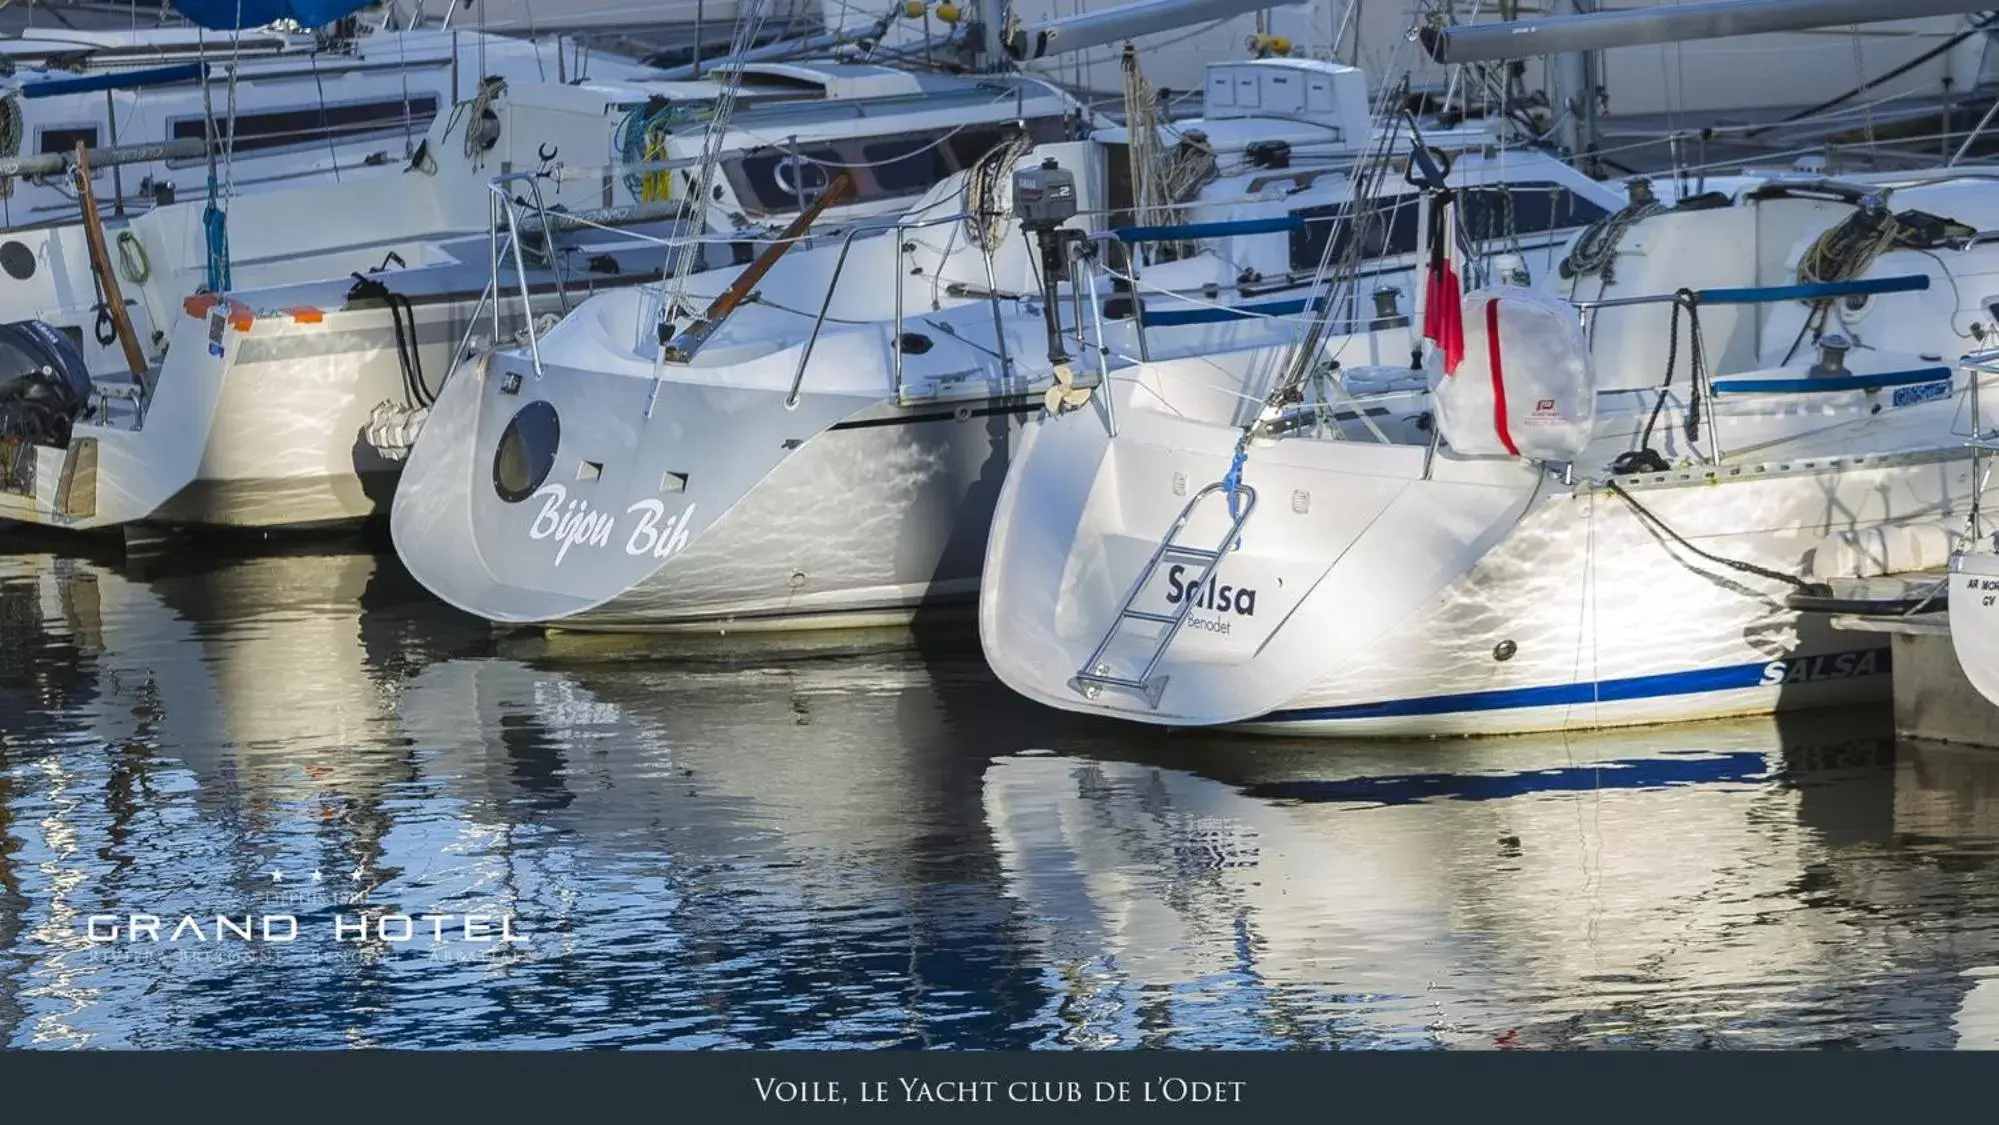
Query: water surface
x,y
876,844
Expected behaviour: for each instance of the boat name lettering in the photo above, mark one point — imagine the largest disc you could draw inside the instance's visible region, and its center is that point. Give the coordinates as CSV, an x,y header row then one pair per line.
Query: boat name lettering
x,y
1207,595
1922,392
1813,669
569,522
649,536
572,522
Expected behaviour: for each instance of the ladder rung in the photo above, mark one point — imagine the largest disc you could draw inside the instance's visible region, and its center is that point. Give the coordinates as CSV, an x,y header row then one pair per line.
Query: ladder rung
x,y
1148,615
1110,681
1193,553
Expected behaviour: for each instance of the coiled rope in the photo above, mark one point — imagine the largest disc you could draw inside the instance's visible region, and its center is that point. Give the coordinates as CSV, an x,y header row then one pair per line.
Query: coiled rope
x,y
988,188
1843,252
1645,458
490,89
1151,203
10,137
1596,248
641,139
132,259
1849,248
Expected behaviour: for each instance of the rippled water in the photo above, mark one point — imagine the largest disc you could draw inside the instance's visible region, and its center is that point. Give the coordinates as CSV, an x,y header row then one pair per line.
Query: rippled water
x,y
876,844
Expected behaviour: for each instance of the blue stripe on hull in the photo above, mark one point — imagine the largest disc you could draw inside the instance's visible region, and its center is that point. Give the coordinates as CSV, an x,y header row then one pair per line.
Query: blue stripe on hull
x,y
1797,669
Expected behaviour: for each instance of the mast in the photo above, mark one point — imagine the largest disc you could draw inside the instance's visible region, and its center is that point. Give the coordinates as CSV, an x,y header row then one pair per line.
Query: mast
x,y
1578,71
992,24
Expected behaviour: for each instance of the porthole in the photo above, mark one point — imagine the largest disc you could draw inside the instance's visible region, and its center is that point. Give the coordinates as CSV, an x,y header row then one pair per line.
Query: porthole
x,y
17,260
526,452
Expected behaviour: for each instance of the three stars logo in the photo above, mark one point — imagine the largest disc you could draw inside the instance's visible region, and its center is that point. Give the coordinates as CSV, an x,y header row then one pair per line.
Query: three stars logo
x,y
355,876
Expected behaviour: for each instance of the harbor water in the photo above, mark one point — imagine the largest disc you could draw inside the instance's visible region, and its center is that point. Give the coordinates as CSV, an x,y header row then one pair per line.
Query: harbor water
x,y
279,798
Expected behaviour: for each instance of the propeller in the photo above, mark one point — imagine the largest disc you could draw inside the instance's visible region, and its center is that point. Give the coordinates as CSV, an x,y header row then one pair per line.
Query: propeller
x,y
1064,394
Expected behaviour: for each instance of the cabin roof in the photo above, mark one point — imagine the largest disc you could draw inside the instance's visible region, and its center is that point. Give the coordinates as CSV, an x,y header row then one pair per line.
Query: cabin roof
x,y
835,80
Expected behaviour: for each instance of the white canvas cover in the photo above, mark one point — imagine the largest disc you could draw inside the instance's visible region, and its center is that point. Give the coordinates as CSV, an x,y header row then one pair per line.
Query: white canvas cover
x,y
1534,395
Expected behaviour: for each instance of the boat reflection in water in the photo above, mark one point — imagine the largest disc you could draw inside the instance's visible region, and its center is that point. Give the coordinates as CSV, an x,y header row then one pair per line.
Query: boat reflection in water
x,y
1713,885
870,844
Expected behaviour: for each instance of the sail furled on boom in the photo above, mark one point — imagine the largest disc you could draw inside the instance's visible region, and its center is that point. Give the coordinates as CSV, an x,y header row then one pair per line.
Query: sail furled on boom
x,y
1669,23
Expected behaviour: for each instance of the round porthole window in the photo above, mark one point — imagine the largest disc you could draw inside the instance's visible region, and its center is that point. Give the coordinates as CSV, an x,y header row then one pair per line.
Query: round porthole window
x,y
17,260
526,452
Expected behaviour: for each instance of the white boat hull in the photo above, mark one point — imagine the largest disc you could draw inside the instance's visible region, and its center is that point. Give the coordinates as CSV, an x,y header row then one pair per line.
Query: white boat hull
x,y
1486,598
1974,620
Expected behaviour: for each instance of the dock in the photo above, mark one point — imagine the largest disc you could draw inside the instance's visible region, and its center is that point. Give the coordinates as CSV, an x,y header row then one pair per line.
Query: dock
x,y
1933,700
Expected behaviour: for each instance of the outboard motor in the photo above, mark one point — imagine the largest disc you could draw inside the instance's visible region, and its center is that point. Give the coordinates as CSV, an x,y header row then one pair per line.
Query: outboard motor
x,y
1043,199
44,385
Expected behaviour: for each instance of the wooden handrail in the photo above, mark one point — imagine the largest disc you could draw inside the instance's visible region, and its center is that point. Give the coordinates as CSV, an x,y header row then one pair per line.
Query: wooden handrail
x,y
107,277
687,343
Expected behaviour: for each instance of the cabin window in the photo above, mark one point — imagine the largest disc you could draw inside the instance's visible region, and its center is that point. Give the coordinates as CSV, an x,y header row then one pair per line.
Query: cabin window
x,y
885,167
906,165
63,138
316,124
526,451
780,181
1393,228
1524,209
1488,213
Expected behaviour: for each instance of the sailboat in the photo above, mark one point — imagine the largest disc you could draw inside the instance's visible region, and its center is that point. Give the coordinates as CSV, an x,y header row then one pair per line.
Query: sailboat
x,y
827,456
262,400
283,102
1972,598
1215,563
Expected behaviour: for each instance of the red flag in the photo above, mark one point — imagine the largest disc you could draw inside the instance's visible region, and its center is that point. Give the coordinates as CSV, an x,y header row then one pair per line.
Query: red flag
x,y
1443,315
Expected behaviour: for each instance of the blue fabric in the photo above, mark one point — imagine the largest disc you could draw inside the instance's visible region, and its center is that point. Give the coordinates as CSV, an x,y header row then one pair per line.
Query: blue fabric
x,y
122,80
230,15
1826,384
1185,315
215,224
1817,291
1232,484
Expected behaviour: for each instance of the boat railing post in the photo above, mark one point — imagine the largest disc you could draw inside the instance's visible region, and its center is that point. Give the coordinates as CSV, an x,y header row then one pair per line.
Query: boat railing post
x,y
117,169
1131,257
1076,298
1102,349
895,341
493,203
992,301
548,246
527,305
818,322
464,351
1973,518
1430,450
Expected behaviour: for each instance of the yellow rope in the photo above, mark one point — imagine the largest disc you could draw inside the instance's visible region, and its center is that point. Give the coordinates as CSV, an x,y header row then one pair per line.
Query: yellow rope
x,y
658,184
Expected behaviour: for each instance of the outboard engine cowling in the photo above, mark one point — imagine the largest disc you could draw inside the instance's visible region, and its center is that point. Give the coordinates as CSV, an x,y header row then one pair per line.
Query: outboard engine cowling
x,y
44,385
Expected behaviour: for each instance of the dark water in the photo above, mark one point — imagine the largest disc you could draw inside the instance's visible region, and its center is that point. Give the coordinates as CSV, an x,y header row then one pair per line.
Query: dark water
x,y
888,849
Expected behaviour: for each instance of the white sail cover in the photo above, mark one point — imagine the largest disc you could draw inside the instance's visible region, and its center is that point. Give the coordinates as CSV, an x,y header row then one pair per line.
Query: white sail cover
x,y
1526,386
